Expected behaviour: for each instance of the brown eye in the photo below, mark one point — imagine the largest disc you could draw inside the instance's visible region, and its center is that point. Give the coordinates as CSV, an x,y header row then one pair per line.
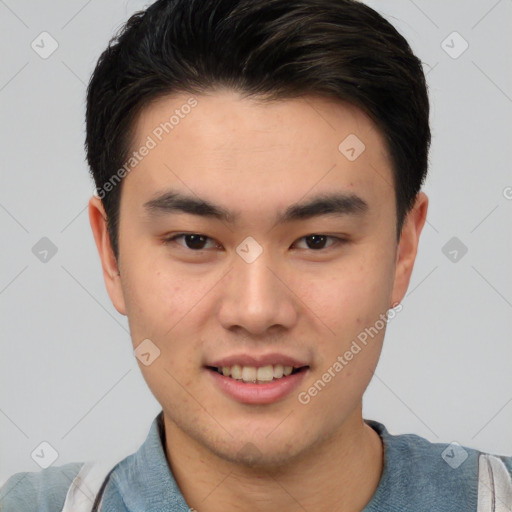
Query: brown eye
x,y
318,242
193,241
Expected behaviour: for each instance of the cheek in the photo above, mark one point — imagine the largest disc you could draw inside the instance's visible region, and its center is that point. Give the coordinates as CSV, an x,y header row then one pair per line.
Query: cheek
x,y
347,297
162,305
155,298
347,308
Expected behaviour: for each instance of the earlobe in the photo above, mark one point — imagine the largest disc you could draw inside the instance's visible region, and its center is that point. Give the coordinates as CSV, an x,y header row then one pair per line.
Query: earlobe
x,y
98,221
408,246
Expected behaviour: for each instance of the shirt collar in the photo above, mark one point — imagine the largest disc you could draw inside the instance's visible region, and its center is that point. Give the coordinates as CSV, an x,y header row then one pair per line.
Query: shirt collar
x,y
145,478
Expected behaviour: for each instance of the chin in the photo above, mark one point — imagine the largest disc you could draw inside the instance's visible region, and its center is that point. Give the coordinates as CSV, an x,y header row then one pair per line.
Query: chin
x,y
253,457
259,450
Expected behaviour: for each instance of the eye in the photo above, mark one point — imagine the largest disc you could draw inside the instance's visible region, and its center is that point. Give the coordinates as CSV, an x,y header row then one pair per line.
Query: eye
x,y
198,242
317,242
193,241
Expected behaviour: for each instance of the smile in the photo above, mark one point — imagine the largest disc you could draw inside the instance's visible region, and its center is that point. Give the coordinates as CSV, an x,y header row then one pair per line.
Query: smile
x,y
254,374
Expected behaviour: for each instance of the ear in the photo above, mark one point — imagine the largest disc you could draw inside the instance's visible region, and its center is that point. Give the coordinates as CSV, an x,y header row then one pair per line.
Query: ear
x,y
408,247
98,220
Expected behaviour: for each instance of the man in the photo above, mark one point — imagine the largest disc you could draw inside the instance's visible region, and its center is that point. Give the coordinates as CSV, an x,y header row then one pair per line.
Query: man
x,y
258,169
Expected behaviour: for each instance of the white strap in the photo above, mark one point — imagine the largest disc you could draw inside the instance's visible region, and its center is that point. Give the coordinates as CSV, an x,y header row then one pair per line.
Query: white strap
x,y
86,485
494,485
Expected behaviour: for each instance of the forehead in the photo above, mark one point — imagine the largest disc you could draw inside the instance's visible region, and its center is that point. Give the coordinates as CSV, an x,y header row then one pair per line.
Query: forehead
x,y
241,150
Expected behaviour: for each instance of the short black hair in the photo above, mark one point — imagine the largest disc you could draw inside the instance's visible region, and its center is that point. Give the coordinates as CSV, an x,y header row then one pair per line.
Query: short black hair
x,y
272,49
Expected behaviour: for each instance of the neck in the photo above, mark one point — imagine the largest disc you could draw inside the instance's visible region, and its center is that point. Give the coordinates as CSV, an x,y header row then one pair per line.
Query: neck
x,y
339,473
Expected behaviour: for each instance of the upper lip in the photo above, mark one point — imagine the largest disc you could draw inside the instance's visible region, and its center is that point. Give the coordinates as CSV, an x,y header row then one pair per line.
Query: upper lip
x,y
258,360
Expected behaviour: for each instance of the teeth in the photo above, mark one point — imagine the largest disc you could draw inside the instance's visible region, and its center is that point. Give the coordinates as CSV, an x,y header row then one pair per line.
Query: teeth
x,y
278,371
236,372
254,374
265,373
249,373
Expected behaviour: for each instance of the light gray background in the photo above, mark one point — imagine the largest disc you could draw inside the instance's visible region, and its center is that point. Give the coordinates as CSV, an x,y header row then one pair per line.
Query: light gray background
x,y
67,372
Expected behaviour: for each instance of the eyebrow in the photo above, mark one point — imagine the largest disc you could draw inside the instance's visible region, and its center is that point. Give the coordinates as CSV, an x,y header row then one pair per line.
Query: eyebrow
x,y
335,204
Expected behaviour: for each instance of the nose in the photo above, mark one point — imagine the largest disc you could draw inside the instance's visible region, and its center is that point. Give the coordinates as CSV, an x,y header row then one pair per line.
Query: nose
x,y
256,298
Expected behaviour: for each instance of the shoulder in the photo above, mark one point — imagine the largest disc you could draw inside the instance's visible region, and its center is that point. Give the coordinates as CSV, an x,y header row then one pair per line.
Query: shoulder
x,y
419,452
507,461
453,460
38,491
443,475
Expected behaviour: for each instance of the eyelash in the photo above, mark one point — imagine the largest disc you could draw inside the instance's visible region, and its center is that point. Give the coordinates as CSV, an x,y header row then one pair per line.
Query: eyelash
x,y
337,241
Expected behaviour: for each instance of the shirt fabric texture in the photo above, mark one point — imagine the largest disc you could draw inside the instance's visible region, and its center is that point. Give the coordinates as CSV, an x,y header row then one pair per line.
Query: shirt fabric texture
x,y
418,476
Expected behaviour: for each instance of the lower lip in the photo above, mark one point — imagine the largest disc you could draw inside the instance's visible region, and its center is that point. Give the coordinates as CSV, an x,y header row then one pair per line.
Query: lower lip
x,y
250,393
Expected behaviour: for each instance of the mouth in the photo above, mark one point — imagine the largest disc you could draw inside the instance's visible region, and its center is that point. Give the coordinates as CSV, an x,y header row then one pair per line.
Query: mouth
x,y
257,374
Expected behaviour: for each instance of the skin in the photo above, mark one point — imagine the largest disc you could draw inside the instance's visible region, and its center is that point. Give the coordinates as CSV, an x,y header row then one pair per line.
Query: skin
x,y
256,159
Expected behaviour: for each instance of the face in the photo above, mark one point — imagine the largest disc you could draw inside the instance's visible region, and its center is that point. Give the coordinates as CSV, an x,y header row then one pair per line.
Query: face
x,y
255,237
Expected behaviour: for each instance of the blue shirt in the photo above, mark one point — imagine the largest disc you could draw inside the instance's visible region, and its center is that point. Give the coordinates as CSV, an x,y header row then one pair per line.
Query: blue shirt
x,y
417,476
